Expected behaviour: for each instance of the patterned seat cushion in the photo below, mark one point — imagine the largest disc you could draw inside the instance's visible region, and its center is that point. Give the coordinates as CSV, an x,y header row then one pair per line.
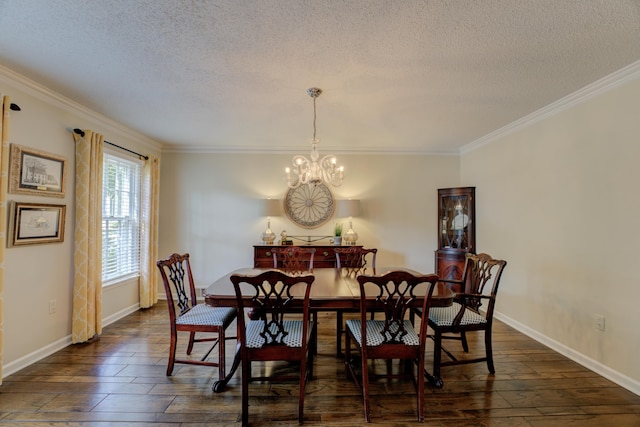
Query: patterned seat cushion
x,y
443,316
374,332
292,339
202,314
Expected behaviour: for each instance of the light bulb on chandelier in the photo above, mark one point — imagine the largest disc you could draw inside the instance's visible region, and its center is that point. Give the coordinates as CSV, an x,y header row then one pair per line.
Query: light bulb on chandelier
x,y
312,171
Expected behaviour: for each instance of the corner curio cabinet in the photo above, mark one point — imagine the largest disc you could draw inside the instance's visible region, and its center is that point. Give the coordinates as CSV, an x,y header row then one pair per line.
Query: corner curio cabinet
x,y
456,230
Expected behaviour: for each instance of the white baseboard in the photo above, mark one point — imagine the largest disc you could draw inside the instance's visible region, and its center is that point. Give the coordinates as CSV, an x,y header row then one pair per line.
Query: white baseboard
x,y
48,350
33,357
593,365
120,314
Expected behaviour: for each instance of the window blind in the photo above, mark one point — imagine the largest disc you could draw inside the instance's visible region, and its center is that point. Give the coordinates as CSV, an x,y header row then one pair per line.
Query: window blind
x,y
120,218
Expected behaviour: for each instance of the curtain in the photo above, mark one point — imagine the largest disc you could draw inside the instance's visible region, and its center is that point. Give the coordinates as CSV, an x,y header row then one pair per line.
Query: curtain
x,y
149,241
4,175
87,252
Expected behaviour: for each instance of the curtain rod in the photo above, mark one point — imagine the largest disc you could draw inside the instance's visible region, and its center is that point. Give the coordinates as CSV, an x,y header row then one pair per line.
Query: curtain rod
x,y
81,133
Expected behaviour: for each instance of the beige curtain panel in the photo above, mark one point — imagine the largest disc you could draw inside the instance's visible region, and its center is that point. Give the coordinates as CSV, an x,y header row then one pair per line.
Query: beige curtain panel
x,y
149,249
87,253
4,175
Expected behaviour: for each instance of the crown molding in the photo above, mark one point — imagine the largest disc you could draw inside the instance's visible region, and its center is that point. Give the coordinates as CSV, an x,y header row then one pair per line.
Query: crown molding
x,y
48,96
200,149
605,84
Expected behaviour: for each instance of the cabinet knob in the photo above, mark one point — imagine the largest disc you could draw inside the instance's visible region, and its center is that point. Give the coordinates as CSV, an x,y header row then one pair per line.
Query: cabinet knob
x,y
268,253
325,253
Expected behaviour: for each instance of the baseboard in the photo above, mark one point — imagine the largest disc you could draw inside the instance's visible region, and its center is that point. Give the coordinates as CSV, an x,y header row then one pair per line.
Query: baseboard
x,y
33,357
48,350
120,314
593,365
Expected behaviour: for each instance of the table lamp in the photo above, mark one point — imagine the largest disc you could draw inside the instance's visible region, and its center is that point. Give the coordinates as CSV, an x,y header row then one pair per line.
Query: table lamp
x,y
349,208
271,207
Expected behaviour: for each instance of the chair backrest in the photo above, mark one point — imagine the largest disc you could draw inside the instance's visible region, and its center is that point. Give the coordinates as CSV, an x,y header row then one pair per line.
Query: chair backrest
x,y
356,260
395,294
293,259
178,283
273,294
481,275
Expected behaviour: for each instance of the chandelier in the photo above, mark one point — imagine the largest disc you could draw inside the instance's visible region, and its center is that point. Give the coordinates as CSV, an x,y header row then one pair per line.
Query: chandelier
x,y
312,170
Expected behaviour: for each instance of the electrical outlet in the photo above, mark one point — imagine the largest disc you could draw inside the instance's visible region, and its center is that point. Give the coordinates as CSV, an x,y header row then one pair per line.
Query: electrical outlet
x,y
52,306
600,322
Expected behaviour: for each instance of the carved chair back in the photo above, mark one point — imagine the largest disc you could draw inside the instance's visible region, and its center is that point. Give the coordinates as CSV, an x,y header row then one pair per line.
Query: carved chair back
x,y
293,259
356,260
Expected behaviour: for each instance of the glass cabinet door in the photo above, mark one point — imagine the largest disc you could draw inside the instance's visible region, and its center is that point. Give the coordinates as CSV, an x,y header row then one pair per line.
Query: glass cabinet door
x,y
456,219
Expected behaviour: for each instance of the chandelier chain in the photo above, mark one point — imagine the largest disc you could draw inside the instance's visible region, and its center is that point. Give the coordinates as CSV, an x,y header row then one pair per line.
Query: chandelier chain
x,y
314,118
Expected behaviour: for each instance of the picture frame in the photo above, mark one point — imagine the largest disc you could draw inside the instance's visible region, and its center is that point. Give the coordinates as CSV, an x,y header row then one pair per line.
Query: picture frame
x,y
33,223
36,172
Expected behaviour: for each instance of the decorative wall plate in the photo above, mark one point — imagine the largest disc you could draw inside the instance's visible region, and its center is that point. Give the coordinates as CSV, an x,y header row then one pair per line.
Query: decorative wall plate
x,y
309,205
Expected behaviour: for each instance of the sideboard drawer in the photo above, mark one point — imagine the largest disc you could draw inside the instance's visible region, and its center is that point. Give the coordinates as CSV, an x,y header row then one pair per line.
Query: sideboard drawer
x,y
323,258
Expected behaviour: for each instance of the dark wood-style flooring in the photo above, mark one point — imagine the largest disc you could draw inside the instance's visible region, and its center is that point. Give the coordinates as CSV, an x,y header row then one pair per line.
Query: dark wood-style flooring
x,y
120,380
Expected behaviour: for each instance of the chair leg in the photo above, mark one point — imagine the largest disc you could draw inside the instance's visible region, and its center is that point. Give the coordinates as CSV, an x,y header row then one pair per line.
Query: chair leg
x,y
339,333
303,381
465,344
192,338
437,353
489,350
311,352
314,346
172,352
221,354
365,388
347,354
420,380
246,374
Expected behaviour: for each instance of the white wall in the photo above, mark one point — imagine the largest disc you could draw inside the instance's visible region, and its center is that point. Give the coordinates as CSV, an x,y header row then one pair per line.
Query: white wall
x,y
559,200
210,206
37,274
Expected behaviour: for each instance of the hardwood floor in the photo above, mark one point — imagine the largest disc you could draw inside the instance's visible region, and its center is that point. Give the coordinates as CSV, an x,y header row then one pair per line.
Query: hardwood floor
x,y
120,380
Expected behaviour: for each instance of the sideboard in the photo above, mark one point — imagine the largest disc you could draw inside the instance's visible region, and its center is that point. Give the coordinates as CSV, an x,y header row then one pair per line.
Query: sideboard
x,y
323,258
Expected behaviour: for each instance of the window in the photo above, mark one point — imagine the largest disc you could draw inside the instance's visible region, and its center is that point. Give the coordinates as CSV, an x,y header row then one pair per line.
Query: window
x,y
120,218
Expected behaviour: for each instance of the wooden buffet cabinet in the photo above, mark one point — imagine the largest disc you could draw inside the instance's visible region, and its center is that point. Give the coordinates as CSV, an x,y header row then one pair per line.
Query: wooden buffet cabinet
x,y
323,258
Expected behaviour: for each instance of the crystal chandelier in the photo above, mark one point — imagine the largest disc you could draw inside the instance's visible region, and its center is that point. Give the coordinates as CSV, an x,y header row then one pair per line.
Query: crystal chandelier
x,y
314,171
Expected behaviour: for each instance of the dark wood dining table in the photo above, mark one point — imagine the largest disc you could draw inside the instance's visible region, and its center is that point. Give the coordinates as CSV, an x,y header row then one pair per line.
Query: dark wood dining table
x,y
331,291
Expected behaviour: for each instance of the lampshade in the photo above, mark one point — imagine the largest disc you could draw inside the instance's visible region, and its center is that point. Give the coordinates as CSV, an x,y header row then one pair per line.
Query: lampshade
x,y
348,208
271,207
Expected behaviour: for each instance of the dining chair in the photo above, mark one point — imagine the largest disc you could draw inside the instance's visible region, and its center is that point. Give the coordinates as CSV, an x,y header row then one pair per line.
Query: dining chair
x,y
187,315
394,294
293,259
480,280
350,262
280,333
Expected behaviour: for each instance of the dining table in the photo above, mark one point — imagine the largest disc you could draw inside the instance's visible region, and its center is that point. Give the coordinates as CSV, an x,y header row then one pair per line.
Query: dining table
x,y
331,290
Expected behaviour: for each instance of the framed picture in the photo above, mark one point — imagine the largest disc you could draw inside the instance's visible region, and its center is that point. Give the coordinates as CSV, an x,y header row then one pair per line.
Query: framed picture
x,y
36,172
32,223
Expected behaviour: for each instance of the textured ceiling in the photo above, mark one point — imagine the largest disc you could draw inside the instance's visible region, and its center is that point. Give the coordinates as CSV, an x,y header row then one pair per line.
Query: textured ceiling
x,y
397,75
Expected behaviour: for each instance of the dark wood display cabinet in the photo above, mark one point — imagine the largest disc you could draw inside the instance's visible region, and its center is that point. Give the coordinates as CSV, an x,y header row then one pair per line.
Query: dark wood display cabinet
x,y
456,230
323,258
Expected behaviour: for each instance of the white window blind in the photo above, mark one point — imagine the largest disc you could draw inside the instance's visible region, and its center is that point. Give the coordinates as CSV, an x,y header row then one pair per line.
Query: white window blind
x,y
120,218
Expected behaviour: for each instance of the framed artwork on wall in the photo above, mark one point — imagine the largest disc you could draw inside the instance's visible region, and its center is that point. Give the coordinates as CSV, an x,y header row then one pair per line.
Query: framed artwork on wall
x,y
36,172
32,223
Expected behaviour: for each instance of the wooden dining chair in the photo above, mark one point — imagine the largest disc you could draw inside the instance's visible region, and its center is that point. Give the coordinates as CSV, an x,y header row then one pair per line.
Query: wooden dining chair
x,y
187,315
350,262
480,281
293,259
280,334
356,260
393,337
